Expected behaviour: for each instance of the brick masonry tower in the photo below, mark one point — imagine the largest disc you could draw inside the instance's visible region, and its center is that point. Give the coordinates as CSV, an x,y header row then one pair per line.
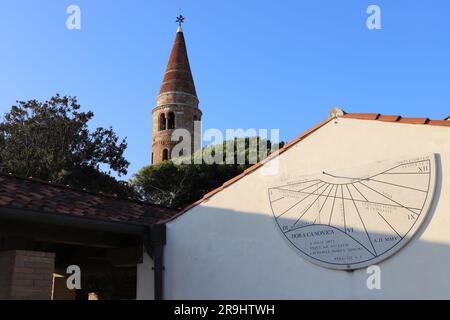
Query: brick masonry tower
x,y
176,104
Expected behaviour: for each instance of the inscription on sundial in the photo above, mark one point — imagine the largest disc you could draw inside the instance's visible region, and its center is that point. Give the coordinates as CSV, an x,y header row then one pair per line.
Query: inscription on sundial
x,y
357,217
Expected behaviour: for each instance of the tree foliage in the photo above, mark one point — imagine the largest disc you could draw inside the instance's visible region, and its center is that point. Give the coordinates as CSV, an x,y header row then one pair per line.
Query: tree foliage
x,y
174,184
51,141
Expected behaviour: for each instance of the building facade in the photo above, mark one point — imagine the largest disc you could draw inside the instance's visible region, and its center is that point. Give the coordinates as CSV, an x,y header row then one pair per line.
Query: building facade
x,y
229,245
177,107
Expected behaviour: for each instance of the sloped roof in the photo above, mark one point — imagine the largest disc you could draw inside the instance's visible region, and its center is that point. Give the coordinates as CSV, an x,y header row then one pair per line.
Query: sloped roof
x,y
357,116
397,119
38,196
178,75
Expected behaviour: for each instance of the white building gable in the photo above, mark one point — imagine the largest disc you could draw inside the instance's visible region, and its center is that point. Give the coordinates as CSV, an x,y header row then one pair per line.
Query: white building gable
x,y
230,245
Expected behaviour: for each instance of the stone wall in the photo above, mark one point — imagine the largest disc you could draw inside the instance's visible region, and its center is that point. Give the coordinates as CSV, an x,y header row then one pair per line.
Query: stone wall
x,y
26,275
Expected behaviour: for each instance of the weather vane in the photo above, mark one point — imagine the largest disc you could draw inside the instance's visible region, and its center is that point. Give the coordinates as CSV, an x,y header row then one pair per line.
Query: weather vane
x,y
180,20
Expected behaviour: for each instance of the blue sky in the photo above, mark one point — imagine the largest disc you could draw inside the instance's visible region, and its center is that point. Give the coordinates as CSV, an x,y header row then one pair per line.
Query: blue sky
x,y
256,64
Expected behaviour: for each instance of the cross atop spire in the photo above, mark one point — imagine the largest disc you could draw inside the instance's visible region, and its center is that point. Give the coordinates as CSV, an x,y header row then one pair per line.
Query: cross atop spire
x,y
180,21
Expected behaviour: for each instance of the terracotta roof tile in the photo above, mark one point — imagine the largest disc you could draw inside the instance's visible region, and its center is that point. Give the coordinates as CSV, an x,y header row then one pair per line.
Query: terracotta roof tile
x,y
414,120
398,119
362,116
35,195
443,123
5,200
389,118
229,182
253,168
209,195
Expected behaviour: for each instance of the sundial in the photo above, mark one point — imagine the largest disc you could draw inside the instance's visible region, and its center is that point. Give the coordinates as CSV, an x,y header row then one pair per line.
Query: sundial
x,y
350,219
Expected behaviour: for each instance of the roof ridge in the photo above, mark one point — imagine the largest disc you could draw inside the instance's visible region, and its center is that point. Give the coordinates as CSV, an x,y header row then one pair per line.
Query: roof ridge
x,y
71,188
397,119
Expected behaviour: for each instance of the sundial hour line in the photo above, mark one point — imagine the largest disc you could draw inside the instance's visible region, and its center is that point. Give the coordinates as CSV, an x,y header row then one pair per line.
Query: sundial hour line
x,y
298,203
326,199
388,198
374,176
299,183
354,186
371,202
334,202
364,225
414,173
310,206
320,181
343,207
299,191
389,224
397,185
278,199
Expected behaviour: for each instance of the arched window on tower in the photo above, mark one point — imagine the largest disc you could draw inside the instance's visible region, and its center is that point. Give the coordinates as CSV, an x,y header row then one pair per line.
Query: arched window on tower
x,y
165,155
171,121
162,122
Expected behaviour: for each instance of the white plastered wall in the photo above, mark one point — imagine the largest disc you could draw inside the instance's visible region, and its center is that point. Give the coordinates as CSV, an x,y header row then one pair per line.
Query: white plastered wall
x,y
229,247
145,279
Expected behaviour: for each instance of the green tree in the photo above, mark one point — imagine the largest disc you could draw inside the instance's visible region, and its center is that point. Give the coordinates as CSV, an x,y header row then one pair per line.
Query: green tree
x,y
174,184
51,141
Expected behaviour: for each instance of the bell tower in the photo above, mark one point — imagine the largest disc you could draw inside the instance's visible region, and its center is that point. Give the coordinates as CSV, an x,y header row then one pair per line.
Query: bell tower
x,y
177,102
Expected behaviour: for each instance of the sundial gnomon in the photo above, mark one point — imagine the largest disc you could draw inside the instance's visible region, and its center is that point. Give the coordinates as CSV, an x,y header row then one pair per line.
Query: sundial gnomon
x,y
357,217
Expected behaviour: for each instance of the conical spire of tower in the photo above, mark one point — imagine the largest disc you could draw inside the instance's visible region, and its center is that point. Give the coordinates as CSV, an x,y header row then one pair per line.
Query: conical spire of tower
x,y
178,75
177,107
